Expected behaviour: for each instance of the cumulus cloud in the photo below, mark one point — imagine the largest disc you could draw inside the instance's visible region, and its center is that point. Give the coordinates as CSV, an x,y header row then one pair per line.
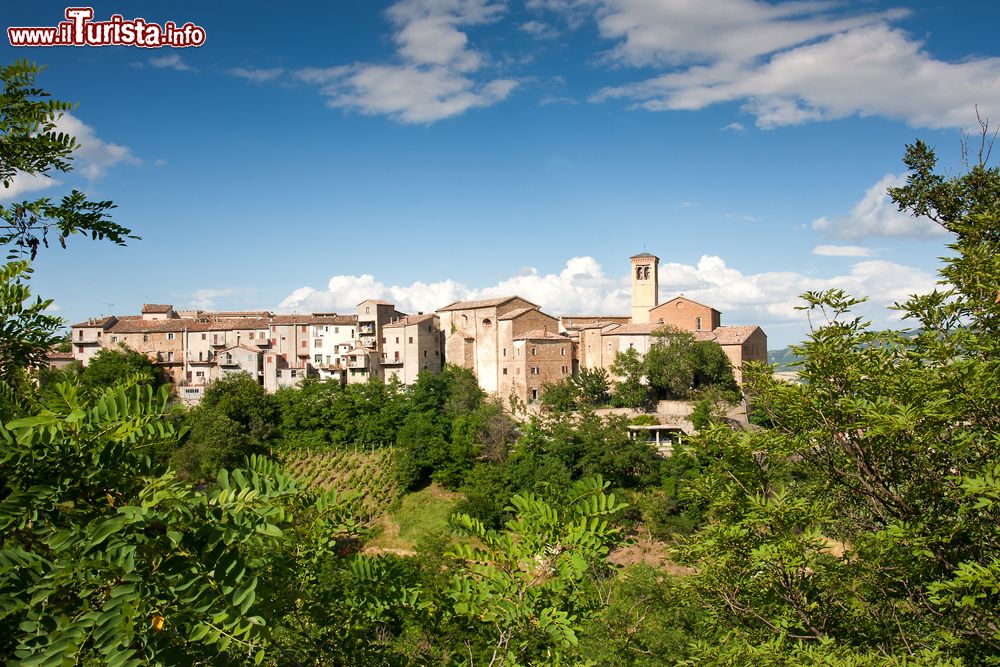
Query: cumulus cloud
x,y
94,156
208,298
439,75
171,61
876,215
583,287
841,251
258,75
790,63
23,183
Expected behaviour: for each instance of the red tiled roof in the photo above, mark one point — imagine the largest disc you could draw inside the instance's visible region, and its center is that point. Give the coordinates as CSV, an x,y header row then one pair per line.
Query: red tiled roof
x,y
98,322
157,307
484,303
517,312
540,334
734,335
378,302
408,320
54,355
156,326
681,296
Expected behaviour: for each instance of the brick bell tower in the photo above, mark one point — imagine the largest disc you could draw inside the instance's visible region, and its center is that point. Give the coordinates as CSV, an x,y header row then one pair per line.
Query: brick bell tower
x,y
645,285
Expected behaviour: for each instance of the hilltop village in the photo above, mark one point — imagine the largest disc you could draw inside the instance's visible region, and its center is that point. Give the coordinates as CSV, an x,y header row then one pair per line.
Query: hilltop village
x,y
509,343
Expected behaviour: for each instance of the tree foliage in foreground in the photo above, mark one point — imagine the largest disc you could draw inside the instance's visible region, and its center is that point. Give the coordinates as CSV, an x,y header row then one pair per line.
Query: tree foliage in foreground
x,y
863,522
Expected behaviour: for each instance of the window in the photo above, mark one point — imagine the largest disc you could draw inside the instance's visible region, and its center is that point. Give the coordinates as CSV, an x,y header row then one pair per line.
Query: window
x,y
170,356
199,355
270,359
487,323
564,370
397,340
367,310
79,349
305,343
203,337
170,336
562,351
318,358
697,324
534,351
98,334
318,342
411,340
199,374
251,335
505,371
534,370
505,352
534,394
274,328
80,337
114,339
274,341
436,354
425,354
303,328
336,330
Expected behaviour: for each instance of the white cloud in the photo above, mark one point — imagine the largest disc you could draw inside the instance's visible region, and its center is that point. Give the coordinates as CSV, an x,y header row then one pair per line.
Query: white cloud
x,y
171,61
790,63
208,298
841,251
438,76
257,75
582,286
876,215
733,127
94,156
23,183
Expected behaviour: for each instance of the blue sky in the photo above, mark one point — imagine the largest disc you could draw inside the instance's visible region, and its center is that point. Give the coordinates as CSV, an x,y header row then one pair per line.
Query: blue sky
x,y
312,155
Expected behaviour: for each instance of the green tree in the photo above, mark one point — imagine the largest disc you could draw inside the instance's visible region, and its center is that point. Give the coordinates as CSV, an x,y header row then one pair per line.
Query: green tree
x,y
31,145
631,391
560,396
110,365
593,386
861,526
525,593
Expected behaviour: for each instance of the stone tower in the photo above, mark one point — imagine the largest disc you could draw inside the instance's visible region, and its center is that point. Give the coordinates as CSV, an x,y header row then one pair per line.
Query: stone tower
x,y
645,285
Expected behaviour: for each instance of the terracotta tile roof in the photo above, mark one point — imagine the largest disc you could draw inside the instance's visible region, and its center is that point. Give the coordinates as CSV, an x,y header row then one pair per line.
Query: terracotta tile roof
x,y
643,254
157,307
517,312
484,303
641,329
378,302
408,320
540,334
734,335
681,296
54,355
294,318
597,318
237,323
342,320
243,346
156,326
235,314
102,322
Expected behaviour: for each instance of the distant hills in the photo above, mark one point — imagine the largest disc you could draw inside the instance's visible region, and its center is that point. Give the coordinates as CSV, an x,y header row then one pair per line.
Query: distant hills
x,y
782,359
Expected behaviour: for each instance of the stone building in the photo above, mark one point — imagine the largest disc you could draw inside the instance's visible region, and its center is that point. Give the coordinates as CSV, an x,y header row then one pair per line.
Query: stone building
x,y
413,345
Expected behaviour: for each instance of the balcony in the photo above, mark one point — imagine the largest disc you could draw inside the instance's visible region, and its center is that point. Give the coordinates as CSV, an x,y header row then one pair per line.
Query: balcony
x,y
395,361
219,342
